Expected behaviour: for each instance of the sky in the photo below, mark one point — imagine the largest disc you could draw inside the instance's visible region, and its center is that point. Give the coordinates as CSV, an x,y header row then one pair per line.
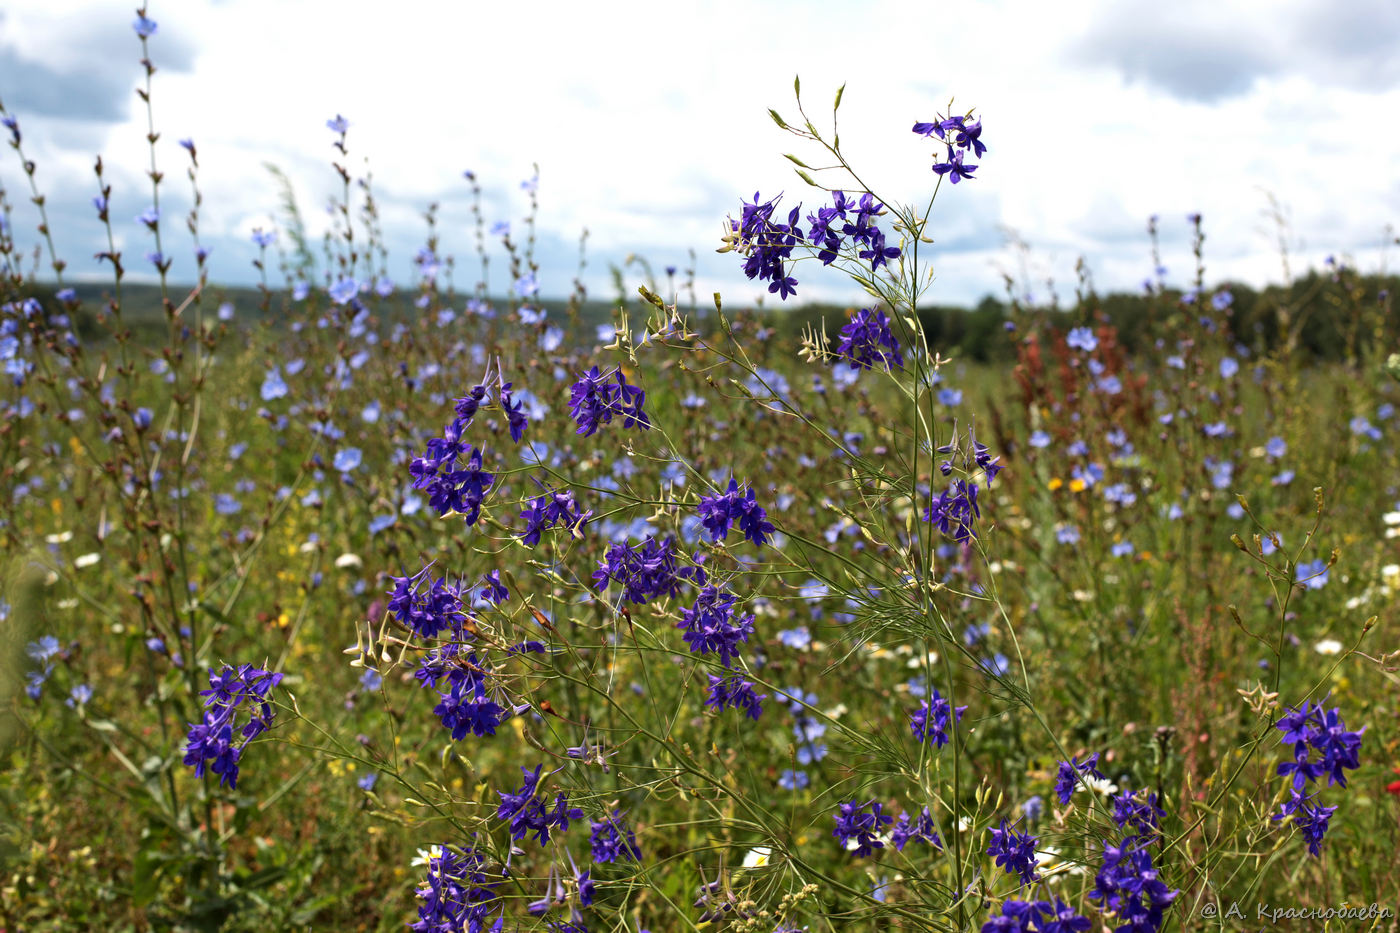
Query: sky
x,y
649,123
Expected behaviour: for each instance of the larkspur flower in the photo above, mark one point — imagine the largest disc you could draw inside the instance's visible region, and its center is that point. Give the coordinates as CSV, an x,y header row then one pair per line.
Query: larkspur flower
x,y
1070,773
612,839
929,722
1014,852
1129,888
866,341
734,692
920,828
717,513
594,399
858,830
712,627
213,739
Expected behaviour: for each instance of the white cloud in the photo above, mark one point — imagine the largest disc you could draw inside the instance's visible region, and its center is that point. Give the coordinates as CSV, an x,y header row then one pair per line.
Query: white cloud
x,y
650,122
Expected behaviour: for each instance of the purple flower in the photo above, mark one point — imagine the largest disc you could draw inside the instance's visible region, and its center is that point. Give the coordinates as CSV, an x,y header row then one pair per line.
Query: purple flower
x,y
145,28
717,513
594,399
954,167
214,739
612,839
929,722
1014,852
710,626
734,692
853,824
867,341
338,125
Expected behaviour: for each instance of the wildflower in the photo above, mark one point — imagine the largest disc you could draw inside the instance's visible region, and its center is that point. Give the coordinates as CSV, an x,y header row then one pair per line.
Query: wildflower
x,y
145,28
717,513
611,839
930,721
645,572
1014,852
867,341
857,830
594,399
1082,338
954,167
920,828
213,738
710,625
734,692
1069,775
545,511
1128,886
493,590
338,124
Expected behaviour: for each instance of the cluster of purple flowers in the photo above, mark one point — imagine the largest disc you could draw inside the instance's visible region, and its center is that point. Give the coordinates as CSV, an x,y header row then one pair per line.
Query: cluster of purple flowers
x,y
458,894
854,824
546,511
920,828
965,137
450,487
1128,886
466,705
528,813
732,691
710,625
646,571
1036,917
867,341
212,739
929,722
1322,745
1069,775
1139,813
612,839
718,513
955,511
767,245
595,398
1014,852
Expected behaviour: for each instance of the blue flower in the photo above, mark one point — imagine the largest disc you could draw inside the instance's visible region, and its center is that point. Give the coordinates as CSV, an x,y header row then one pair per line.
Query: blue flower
x,y
1082,338
347,459
145,28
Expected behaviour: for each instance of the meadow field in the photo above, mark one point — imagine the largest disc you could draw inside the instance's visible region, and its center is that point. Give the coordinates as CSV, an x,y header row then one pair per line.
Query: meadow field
x,y
352,604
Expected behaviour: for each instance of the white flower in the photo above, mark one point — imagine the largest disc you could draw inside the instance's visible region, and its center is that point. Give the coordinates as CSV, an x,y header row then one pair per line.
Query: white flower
x,y
757,857
1102,785
1391,518
1328,646
424,856
348,560
86,560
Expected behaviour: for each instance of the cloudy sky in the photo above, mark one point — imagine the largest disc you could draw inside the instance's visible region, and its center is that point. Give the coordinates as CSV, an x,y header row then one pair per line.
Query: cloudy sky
x,y
649,123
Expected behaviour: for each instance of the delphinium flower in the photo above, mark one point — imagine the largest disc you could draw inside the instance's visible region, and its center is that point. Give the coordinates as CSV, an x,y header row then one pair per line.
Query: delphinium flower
x,y
213,738
595,398
528,813
1070,771
546,511
450,487
1138,813
734,692
646,571
1036,917
1129,887
493,590
854,825
718,513
955,511
920,828
1014,852
613,839
458,894
515,415
929,722
767,245
867,341
1321,745
711,627
966,137
428,612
